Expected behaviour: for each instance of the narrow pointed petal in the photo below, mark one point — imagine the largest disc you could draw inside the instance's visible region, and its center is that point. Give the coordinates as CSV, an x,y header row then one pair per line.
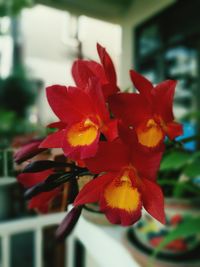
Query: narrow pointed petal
x,y
54,140
107,64
68,223
121,202
98,70
163,99
91,191
174,129
83,70
153,200
143,85
28,151
108,88
94,90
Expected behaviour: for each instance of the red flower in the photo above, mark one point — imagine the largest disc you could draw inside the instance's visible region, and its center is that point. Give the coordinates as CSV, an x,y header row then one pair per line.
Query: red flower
x,y
42,201
127,182
83,70
149,112
84,116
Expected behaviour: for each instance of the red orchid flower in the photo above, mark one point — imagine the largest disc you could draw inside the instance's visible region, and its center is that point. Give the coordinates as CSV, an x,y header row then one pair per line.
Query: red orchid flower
x,y
83,117
149,112
42,201
127,183
83,70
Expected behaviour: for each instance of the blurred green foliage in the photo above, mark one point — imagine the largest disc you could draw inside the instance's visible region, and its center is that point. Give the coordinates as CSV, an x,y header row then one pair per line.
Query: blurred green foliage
x,y
180,171
13,7
12,125
17,93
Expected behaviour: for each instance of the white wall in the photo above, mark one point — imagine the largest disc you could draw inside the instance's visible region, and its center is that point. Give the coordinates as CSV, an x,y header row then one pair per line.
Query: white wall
x,y
47,54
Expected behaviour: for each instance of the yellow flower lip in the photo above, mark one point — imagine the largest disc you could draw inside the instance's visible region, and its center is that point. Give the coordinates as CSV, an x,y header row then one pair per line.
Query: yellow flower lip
x,y
88,123
121,194
151,133
82,133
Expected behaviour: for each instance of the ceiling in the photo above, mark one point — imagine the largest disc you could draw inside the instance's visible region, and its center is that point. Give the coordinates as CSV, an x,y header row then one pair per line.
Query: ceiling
x,y
105,9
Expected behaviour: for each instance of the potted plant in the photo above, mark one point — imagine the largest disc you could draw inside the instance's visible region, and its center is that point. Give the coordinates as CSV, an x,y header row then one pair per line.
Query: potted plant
x,y
116,137
179,178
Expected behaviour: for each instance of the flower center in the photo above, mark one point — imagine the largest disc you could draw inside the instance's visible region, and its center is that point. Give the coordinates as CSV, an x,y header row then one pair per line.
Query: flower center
x,y
151,133
82,133
121,194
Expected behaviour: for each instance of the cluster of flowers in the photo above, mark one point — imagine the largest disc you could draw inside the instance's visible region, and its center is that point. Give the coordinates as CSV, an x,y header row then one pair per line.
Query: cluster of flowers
x,y
118,137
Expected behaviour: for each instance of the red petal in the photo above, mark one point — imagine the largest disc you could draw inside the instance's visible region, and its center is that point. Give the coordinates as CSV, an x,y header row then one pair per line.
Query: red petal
x,y
107,64
143,85
121,203
163,100
69,104
81,73
42,201
153,200
28,151
110,157
174,129
128,137
92,190
147,163
98,71
31,179
116,216
59,125
80,152
110,130
94,91
108,87
54,140
130,108
83,70
109,90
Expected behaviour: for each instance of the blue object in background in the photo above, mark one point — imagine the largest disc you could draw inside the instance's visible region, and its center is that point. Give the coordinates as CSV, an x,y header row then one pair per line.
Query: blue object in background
x,y
189,129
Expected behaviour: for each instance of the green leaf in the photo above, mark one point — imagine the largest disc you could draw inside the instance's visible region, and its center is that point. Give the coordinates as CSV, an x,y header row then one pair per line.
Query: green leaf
x,y
175,160
182,188
196,155
193,169
186,229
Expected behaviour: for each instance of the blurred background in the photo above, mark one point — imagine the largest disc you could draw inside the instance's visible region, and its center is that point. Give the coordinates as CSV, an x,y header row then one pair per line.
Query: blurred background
x,y
39,40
